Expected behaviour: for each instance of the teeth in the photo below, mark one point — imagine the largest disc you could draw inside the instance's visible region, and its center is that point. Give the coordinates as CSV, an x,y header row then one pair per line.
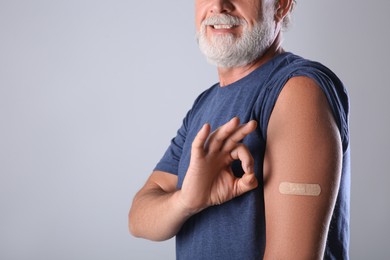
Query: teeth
x,y
222,26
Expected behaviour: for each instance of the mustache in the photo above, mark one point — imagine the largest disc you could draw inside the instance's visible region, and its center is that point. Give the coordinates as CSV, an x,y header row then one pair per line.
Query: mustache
x,y
223,19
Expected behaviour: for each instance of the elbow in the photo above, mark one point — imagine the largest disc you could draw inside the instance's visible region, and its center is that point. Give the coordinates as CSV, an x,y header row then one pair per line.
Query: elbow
x,y
136,229
132,230
132,227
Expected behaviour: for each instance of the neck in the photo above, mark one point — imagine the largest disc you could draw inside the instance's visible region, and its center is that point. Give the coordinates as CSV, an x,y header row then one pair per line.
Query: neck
x,y
228,76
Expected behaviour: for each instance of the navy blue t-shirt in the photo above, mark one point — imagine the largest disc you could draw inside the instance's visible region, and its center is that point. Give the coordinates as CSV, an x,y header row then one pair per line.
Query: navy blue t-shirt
x,y
236,229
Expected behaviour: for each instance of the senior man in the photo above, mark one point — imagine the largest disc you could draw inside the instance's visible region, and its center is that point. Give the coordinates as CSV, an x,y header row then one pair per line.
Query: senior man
x,y
259,168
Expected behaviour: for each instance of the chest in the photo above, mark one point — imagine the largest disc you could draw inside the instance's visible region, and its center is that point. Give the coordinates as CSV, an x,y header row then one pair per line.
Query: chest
x,y
217,110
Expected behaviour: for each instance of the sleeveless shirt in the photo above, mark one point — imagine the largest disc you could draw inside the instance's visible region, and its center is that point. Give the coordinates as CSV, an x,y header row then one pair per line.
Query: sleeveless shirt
x,y
236,229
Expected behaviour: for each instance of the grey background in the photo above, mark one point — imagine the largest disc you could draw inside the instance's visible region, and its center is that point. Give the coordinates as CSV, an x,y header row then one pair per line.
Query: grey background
x,y
92,91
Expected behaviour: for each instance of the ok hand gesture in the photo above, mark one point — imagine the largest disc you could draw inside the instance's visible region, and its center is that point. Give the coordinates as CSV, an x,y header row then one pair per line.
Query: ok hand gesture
x,y
209,180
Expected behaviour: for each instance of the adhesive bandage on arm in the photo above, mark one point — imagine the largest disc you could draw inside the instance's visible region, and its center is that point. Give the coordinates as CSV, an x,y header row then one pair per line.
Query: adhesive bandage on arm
x,y
302,189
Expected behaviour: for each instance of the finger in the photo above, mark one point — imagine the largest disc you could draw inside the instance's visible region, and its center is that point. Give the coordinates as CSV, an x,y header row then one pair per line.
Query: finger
x,y
242,153
219,136
239,134
246,183
200,140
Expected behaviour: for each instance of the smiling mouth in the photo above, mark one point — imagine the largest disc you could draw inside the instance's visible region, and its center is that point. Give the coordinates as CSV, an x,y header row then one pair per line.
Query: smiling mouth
x,y
223,26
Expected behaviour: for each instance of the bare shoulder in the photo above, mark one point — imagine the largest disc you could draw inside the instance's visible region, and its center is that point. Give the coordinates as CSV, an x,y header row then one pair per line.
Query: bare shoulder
x,y
302,113
300,101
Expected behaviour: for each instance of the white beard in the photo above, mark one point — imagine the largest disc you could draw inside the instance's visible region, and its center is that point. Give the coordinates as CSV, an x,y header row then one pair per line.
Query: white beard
x,y
229,51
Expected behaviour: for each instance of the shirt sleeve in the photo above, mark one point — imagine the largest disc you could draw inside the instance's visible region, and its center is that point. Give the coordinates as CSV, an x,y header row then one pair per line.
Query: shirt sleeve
x,y
171,158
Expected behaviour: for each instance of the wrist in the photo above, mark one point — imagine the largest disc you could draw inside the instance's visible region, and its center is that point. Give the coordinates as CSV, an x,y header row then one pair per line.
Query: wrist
x,y
185,208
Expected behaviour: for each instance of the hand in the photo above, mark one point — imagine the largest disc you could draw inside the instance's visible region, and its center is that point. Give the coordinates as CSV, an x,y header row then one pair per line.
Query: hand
x,y
209,180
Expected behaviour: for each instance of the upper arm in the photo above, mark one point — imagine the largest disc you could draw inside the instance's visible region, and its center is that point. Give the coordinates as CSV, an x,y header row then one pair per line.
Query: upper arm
x,y
303,146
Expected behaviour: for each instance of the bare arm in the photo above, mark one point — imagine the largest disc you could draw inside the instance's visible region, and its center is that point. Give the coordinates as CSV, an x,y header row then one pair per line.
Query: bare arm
x,y
159,210
155,213
303,146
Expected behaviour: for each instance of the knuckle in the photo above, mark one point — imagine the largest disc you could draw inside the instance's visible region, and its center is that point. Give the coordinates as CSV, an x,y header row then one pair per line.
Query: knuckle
x,y
217,139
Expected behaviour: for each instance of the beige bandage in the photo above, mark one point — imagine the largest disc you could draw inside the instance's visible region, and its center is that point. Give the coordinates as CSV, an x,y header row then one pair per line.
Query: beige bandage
x,y
303,189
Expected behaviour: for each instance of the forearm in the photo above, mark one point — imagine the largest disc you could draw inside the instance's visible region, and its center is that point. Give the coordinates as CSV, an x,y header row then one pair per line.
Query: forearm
x,y
159,210
156,214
